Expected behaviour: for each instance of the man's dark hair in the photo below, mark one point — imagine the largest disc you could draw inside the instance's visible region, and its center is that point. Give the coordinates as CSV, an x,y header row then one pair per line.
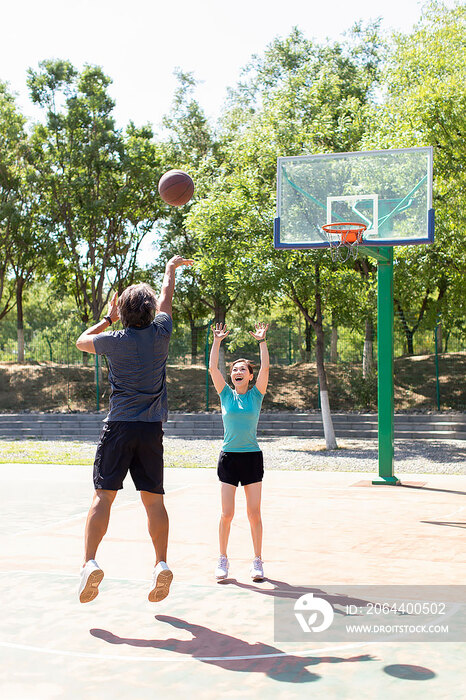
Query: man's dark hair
x,y
137,305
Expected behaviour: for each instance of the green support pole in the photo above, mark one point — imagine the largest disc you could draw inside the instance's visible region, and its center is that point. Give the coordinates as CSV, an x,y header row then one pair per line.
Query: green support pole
x,y
385,366
437,382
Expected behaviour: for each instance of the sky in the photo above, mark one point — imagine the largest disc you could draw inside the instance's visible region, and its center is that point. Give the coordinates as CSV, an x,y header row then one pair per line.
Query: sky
x,y
139,43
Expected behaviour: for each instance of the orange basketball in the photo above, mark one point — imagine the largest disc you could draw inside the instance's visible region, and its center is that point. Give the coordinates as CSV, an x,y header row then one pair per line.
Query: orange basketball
x,y
350,236
176,188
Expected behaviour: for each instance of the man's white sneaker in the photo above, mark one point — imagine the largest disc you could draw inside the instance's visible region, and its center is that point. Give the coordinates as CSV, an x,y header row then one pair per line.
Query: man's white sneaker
x,y
91,576
161,580
221,571
257,569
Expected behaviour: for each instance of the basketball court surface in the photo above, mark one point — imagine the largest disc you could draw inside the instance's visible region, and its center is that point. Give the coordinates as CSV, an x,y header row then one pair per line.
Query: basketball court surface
x,y
210,640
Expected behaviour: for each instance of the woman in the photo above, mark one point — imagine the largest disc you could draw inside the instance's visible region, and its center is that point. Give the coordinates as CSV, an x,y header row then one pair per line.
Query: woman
x,y
241,458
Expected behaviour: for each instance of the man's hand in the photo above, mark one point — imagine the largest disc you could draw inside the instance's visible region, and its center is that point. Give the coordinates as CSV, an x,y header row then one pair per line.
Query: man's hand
x,y
178,260
220,331
113,308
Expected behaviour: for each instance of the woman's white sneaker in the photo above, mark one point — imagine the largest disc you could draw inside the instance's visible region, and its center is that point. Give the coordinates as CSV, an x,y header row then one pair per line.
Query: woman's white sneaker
x,y
257,569
221,571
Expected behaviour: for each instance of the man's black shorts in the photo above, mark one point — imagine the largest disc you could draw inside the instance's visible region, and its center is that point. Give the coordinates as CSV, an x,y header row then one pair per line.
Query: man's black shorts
x,y
240,467
135,446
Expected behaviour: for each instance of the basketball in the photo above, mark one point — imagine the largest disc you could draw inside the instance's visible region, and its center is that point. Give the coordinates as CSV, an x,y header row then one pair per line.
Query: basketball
x,y
176,188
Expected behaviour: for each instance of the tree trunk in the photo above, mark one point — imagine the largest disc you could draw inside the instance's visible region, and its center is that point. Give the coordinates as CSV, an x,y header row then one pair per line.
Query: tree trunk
x,y
329,433
410,340
368,352
447,338
439,338
409,332
317,324
308,342
334,344
85,322
302,352
19,318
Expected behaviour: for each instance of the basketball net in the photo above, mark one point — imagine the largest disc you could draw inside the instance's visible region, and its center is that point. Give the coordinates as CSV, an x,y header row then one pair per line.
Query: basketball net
x,y
344,239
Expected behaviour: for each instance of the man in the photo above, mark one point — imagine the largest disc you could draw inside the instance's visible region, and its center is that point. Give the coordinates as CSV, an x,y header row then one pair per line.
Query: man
x,y
132,436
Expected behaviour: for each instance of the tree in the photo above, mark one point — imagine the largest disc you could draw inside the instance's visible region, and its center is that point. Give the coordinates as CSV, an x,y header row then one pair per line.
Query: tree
x,y
191,146
299,98
12,143
191,138
98,186
424,103
31,250
220,226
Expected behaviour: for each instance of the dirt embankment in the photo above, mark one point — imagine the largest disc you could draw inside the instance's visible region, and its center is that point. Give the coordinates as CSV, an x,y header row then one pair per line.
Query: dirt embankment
x,y
47,387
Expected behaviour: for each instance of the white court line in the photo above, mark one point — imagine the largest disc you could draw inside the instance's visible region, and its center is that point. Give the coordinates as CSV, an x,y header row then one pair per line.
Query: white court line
x,y
114,657
458,510
79,516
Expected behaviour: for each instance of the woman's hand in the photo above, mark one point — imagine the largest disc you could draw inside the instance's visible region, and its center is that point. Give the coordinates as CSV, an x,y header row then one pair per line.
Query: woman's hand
x,y
220,331
261,330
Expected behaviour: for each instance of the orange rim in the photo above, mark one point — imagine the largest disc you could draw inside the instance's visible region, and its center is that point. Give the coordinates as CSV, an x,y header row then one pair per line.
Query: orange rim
x,y
350,231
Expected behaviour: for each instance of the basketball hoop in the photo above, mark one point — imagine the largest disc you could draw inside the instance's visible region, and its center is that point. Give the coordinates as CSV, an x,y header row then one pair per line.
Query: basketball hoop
x,y
344,239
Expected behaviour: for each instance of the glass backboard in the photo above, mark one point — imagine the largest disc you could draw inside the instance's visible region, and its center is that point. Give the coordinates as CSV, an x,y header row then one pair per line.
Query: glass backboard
x,y
388,191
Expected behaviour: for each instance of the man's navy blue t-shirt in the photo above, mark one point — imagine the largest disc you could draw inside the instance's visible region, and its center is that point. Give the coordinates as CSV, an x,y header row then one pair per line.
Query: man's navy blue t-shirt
x,y
137,358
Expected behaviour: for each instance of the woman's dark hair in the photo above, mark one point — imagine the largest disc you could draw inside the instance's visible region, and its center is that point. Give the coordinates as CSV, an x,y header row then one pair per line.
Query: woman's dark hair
x,y
249,364
137,305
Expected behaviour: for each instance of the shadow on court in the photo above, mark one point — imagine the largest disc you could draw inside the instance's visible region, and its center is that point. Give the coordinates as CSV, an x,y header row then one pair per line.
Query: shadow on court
x,y
211,647
284,590
433,522
426,488
410,673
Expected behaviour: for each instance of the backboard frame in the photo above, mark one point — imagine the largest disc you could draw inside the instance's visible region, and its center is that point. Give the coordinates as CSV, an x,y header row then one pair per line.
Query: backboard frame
x,y
368,241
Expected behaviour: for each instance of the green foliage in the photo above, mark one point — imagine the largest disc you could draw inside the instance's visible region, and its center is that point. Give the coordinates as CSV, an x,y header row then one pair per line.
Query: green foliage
x,y
98,186
78,197
425,104
363,390
52,325
12,176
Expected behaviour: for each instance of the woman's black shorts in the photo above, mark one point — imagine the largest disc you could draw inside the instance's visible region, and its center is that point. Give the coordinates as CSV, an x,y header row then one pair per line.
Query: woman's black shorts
x,y
240,467
136,446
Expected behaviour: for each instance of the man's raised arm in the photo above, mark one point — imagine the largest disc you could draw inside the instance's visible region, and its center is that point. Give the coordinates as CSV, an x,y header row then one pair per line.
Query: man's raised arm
x,y
164,304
